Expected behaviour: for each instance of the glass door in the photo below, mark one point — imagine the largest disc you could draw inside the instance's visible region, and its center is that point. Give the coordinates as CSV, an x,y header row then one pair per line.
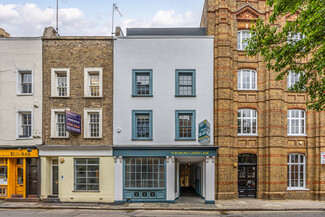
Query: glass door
x,y
19,176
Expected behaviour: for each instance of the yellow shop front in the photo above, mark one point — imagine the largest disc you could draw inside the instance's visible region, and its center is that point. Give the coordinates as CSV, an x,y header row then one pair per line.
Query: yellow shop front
x,y
18,172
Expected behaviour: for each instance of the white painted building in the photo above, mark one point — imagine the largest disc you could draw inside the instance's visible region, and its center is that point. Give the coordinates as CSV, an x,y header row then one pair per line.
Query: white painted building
x,y
20,115
163,89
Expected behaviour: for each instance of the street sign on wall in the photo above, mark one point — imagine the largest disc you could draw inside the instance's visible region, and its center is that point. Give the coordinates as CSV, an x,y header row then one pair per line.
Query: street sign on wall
x,y
204,132
72,122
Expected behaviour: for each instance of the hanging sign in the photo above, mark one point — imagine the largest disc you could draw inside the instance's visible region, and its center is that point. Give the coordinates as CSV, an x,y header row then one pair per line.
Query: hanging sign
x,y
72,122
322,158
204,132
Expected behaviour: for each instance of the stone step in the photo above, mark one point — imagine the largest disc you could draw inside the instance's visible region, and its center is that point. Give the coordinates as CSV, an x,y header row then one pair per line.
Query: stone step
x,y
17,196
51,200
22,199
32,196
52,196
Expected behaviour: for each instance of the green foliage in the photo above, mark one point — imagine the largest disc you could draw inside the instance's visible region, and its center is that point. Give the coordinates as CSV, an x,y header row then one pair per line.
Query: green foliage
x,y
305,56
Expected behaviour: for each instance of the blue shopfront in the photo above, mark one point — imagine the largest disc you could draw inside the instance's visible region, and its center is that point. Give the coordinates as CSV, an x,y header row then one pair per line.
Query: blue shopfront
x,y
152,174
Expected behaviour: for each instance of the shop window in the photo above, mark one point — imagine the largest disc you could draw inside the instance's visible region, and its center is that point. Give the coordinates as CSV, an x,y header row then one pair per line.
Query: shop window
x,y
247,122
60,82
86,174
3,175
296,122
144,173
185,125
185,83
296,171
142,125
93,82
142,82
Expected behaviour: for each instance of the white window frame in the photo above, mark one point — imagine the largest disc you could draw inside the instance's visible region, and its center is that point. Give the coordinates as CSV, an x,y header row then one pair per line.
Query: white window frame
x,y
240,79
18,83
54,90
300,118
53,123
87,111
289,83
87,72
299,165
240,38
251,121
291,39
18,112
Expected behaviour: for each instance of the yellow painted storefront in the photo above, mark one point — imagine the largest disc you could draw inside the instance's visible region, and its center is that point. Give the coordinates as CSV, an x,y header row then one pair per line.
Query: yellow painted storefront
x,y
66,179
13,171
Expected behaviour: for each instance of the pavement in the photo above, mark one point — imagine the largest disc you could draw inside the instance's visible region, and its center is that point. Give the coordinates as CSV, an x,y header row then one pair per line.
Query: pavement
x,y
220,205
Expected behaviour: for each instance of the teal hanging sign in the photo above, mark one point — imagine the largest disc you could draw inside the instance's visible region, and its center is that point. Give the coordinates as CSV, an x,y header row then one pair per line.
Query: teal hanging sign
x,y
204,132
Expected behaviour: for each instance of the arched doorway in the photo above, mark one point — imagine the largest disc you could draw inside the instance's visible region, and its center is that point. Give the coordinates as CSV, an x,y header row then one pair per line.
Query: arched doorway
x,y
247,175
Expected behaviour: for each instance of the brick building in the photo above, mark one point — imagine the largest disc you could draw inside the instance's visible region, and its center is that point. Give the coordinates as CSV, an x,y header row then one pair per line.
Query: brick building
x,y
77,77
259,124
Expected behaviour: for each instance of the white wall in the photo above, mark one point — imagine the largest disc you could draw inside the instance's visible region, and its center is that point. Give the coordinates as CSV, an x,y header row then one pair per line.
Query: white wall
x,y
19,53
163,55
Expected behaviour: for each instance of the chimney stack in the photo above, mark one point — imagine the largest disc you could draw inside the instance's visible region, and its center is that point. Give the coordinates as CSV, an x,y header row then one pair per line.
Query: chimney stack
x,y
118,31
50,31
4,34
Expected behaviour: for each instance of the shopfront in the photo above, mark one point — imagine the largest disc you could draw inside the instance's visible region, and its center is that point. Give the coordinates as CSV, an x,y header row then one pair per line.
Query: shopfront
x,y
151,174
18,172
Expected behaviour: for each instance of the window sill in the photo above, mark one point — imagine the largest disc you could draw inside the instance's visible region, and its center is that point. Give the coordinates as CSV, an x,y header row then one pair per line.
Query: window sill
x,y
86,191
150,139
185,139
93,97
243,135
64,97
24,138
297,135
25,94
59,137
247,89
93,137
297,189
134,95
176,95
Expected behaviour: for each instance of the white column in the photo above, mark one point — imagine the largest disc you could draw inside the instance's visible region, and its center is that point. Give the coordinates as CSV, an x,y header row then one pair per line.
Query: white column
x,y
210,179
170,174
118,178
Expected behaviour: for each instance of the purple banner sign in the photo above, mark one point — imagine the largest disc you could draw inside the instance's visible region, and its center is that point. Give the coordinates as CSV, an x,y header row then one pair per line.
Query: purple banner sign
x,y
72,122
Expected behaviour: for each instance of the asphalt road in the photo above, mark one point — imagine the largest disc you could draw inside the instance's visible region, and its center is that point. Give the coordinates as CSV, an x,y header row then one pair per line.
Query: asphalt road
x,y
145,213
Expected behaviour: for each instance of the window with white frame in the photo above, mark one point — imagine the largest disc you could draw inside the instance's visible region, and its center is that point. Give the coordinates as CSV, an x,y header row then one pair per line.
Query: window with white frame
x,y
86,172
93,82
296,122
60,124
24,124
25,82
246,79
292,78
93,123
60,82
58,129
293,38
296,171
242,36
247,122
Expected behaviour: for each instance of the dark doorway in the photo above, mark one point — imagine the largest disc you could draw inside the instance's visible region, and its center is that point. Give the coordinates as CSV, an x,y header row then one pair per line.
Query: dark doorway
x,y
55,177
247,178
32,176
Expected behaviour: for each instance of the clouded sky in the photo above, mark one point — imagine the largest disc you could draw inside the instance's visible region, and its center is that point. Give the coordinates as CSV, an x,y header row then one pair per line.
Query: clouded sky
x,y
93,17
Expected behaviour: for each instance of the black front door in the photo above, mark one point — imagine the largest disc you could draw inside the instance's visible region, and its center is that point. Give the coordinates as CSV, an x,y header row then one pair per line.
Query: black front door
x,y
32,177
55,179
247,179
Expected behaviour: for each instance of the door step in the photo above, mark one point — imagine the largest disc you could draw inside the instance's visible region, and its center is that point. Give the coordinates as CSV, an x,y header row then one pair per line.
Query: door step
x,y
19,198
51,199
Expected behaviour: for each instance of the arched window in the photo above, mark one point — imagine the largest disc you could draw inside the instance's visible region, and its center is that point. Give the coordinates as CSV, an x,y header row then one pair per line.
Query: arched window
x,y
296,171
296,122
247,122
242,35
246,79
